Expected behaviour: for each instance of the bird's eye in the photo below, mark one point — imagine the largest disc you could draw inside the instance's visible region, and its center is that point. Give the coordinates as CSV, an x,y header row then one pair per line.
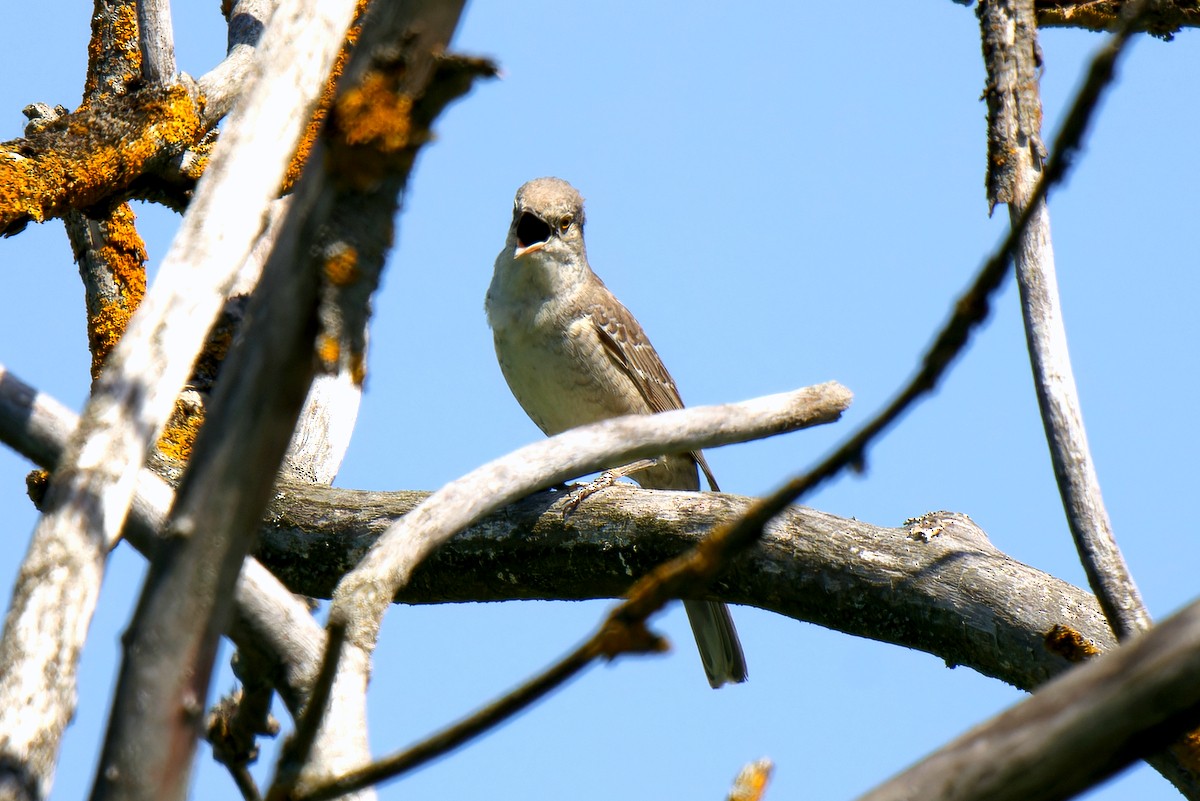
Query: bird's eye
x,y
564,223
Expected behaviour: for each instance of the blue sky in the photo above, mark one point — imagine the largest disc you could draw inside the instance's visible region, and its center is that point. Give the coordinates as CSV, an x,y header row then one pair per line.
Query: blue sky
x,y
783,196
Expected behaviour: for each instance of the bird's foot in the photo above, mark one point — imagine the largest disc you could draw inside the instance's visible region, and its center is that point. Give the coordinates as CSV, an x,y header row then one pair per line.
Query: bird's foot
x,y
602,482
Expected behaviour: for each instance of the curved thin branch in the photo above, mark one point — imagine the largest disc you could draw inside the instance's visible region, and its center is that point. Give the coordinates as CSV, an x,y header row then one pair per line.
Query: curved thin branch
x,y
623,630
1015,156
363,595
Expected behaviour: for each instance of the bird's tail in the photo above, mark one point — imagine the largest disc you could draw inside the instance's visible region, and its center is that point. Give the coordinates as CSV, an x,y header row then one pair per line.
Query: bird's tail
x,y
717,640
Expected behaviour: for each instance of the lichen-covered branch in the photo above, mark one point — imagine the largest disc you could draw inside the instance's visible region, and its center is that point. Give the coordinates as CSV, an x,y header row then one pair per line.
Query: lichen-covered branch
x,y
93,155
1164,20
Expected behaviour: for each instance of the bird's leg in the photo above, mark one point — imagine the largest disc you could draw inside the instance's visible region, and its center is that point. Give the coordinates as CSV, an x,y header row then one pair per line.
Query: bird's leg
x,y
604,481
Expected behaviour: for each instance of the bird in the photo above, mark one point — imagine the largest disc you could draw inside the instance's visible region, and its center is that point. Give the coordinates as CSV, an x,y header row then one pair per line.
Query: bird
x,y
572,354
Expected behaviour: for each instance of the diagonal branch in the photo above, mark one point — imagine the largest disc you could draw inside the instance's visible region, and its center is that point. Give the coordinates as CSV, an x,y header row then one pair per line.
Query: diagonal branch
x,y
363,595
1074,732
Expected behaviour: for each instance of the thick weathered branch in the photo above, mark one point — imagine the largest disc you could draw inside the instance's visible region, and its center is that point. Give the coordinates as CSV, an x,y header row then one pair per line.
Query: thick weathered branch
x,y
935,584
90,496
1074,732
106,245
171,644
96,153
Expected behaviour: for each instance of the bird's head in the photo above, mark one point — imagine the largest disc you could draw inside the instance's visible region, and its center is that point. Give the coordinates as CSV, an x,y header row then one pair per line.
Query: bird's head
x,y
547,219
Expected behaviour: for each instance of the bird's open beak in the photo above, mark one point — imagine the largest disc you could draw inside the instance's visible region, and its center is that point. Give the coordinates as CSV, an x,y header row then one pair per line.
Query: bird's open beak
x,y
533,230
533,247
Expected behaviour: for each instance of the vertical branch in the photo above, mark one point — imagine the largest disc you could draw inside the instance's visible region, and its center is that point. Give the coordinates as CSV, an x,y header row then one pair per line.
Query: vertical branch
x,y
156,40
110,253
1015,160
1015,155
395,84
187,598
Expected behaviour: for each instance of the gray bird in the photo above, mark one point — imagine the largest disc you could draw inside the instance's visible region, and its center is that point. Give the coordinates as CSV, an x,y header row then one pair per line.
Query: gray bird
x,y
572,354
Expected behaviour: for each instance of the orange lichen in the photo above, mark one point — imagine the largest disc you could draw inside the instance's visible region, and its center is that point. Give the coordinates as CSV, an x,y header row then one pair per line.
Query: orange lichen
x,y
104,331
1070,644
124,256
329,350
751,782
1187,750
305,145
374,113
341,267
358,368
82,158
370,130
114,56
37,482
180,432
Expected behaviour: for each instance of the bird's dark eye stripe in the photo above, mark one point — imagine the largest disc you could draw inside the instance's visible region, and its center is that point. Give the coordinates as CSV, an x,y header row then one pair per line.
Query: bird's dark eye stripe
x,y
531,229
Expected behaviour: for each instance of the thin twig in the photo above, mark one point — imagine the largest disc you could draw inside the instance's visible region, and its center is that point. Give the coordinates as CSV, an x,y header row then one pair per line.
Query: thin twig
x,y
459,733
296,753
245,782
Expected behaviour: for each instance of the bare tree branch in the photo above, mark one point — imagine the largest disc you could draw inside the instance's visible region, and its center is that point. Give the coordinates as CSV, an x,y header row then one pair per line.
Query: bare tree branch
x,y
156,40
1075,731
106,245
1015,157
269,619
226,82
935,584
89,499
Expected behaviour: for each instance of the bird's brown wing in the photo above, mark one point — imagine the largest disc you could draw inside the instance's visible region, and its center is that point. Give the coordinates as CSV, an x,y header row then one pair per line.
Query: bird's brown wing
x,y
626,343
